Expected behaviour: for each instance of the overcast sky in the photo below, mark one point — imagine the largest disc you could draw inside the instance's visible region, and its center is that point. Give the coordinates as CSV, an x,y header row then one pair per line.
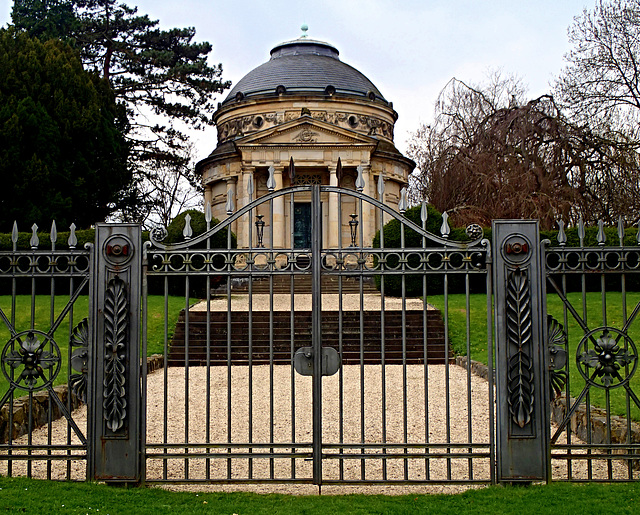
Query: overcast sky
x,y
408,48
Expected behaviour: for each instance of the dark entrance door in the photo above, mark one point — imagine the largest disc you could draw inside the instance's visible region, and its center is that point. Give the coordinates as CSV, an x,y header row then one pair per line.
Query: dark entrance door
x,y
302,225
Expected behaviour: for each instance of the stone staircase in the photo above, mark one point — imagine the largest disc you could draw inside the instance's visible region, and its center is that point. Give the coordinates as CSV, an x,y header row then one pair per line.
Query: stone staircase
x,y
278,348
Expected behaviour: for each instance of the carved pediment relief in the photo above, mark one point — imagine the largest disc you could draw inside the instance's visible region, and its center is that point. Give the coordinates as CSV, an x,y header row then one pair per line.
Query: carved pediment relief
x,y
305,131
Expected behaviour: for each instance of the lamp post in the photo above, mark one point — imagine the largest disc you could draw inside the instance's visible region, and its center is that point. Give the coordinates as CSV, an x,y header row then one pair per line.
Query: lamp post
x,y
353,225
260,230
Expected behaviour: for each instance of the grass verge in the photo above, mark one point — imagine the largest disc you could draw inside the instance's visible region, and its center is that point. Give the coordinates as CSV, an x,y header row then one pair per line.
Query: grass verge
x,y
19,495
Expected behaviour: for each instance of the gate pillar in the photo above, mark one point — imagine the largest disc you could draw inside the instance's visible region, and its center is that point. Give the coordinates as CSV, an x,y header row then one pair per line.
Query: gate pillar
x,y
114,355
522,426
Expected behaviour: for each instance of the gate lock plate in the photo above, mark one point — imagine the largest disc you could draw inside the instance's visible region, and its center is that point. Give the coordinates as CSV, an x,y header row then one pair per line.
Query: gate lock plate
x,y
303,361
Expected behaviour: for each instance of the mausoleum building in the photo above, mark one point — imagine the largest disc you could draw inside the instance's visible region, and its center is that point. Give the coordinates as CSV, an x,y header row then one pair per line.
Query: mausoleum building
x,y
307,107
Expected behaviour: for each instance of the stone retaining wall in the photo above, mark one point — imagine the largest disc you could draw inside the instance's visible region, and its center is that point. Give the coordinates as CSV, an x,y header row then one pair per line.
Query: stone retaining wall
x,y
42,405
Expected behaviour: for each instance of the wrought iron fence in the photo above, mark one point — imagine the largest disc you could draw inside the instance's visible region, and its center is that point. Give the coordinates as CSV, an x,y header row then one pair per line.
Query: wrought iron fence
x,y
43,357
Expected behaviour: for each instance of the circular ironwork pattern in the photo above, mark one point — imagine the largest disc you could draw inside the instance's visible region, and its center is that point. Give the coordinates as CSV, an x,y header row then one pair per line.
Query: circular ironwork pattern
x,y
612,357
26,357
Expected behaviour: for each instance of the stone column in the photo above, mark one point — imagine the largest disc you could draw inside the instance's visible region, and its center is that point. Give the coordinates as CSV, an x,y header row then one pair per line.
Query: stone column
x,y
243,200
278,222
334,218
368,215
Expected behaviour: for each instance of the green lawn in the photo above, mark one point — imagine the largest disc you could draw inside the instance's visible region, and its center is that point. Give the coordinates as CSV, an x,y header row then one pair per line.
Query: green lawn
x,y
42,321
477,341
19,495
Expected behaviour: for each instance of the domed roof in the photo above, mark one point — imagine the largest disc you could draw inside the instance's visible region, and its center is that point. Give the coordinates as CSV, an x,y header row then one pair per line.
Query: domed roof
x,y
308,67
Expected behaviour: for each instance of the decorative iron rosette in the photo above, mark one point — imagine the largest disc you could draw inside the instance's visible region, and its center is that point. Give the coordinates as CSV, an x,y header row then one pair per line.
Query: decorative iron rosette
x,y
34,356
79,343
557,349
116,319
612,358
519,333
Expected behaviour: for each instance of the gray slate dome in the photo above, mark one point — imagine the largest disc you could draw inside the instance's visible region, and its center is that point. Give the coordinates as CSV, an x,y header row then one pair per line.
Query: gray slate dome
x,y
307,67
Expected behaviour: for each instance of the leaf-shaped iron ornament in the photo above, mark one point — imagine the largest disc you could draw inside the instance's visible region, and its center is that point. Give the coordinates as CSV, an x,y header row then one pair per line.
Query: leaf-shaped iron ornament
x,y
519,333
187,232
557,349
402,203
116,319
562,237
230,207
444,228
34,241
360,179
424,214
79,342
581,231
271,180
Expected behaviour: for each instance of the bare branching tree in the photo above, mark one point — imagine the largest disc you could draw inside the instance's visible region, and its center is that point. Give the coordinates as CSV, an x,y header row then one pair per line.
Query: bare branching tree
x,y
600,86
483,160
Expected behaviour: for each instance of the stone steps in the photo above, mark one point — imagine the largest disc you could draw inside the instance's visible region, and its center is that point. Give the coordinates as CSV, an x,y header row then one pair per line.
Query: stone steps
x,y
262,345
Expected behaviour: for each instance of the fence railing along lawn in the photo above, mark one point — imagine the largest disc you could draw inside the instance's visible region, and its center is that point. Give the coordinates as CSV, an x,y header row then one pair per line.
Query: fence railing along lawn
x,y
42,321
468,335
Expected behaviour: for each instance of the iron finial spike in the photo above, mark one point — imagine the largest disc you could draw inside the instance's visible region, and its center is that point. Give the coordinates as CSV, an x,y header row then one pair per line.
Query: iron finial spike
x,y
54,233
562,237
271,181
638,234
207,214
602,238
187,232
250,187
73,240
380,186
292,170
402,204
35,241
360,179
339,171
230,206
424,214
445,229
581,231
621,231
14,234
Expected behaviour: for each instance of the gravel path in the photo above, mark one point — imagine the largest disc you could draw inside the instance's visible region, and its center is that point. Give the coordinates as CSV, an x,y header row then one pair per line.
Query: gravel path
x,y
282,428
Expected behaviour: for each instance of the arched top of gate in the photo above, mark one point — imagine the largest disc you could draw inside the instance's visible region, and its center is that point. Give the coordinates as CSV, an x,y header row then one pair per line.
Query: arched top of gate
x,y
156,239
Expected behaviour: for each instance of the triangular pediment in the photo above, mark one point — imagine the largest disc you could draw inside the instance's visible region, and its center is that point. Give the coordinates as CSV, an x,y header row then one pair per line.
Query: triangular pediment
x,y
305,131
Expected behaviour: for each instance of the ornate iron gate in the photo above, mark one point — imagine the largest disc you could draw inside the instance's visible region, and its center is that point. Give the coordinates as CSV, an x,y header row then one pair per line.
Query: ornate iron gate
x,y
323,364
313,374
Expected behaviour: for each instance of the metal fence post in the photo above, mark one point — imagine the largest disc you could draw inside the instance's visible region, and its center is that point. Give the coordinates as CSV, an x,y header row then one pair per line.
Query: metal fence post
x,y
114,355
521,374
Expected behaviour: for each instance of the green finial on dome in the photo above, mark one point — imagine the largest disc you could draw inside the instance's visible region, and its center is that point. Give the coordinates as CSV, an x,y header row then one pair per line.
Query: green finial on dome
x,y
304,29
